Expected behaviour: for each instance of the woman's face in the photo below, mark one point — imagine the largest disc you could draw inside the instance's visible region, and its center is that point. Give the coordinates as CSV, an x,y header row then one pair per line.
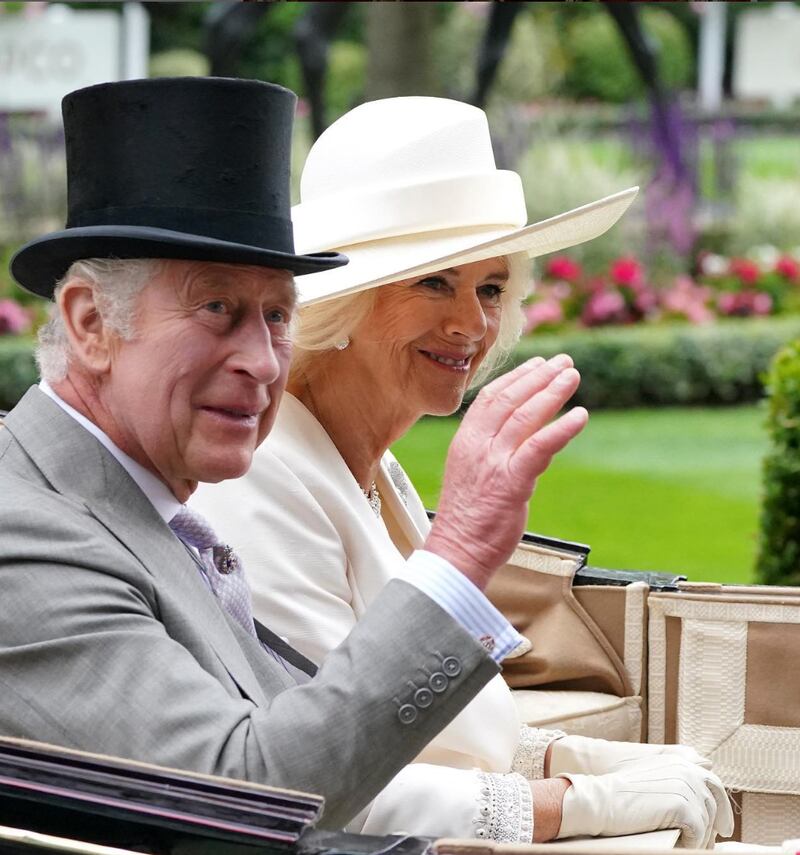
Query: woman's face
x,y
426,336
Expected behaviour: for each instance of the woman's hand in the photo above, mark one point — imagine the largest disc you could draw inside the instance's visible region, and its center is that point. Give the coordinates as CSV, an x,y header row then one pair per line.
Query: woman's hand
x,y
588,756
648,794
504,443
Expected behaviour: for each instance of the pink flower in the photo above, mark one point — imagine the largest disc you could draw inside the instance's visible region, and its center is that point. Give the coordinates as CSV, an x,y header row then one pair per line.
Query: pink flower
x,y
645,301
746,271
745,303
697,313
13,318
687,300
563,267
544,312
727,303
788,268
761,303
604,307
561,290
627,271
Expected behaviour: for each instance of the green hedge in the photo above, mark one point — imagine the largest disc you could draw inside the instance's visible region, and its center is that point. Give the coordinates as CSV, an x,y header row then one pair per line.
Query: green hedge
x,y
17,369
779,538
668,365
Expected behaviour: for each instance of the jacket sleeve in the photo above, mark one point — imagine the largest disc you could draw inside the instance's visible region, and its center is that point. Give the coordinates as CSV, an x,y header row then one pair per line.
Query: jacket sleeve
x,y
88,660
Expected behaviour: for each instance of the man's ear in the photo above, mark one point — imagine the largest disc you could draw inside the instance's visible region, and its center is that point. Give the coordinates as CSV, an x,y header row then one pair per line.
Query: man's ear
x,y
90,339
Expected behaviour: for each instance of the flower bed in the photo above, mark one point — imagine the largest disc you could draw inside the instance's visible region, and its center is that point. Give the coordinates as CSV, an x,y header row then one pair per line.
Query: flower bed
x,y
768,283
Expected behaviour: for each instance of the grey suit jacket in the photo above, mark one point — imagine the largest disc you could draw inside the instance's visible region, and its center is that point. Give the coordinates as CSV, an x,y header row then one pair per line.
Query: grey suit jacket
x,y
111,642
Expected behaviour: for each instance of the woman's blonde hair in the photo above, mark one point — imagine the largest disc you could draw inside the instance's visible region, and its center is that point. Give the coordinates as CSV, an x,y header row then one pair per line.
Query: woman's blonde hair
x,y
321,326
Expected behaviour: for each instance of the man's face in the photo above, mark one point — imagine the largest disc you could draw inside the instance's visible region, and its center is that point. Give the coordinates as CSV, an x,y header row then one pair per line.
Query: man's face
x,y
196,390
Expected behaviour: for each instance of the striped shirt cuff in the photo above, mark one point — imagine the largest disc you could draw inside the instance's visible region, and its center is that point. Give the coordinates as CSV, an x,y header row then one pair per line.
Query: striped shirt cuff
x,y
465,603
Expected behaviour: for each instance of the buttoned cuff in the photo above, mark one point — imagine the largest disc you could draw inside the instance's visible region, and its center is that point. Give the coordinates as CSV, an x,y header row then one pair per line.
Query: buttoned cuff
x,y
464,602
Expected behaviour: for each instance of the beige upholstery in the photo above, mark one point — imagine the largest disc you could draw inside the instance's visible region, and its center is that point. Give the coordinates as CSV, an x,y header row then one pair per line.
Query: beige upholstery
x,y
722,680
583,713
584,670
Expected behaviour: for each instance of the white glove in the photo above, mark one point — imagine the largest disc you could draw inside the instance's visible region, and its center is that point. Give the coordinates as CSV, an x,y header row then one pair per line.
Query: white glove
x,y
647,795
599,756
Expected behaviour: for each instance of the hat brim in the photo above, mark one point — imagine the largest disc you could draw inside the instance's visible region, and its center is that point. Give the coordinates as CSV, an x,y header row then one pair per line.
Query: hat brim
x,y
41,262
380,262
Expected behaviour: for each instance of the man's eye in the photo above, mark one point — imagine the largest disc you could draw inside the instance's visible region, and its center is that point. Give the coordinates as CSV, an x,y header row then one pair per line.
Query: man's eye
x,y
216,307
276,316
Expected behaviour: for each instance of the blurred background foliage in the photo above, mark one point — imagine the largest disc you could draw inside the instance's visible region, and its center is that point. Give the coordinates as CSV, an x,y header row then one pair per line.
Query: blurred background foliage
x,y
598,64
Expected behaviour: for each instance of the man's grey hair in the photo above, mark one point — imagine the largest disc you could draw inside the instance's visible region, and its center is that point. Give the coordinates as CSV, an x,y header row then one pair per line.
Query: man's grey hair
x,y
117,284
320,326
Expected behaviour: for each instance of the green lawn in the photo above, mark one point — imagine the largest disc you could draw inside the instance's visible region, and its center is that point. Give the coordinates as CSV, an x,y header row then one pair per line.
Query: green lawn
x,y
669,489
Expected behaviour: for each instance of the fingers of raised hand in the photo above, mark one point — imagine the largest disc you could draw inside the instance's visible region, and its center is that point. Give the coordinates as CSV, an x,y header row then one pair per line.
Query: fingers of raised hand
x,y
534,413
535,453
502,397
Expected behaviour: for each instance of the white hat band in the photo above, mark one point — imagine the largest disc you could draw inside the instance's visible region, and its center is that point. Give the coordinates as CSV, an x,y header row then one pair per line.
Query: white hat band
x,y
463,201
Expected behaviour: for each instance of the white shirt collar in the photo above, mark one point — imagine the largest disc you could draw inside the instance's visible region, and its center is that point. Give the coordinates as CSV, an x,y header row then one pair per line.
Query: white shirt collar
x,y
159,495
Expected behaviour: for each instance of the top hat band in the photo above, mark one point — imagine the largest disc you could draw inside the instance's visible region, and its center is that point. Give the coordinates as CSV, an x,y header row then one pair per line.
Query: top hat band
x,y
242,227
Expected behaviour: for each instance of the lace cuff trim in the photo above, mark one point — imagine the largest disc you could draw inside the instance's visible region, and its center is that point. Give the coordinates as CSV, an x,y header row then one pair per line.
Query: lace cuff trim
x,y
531,749
505,808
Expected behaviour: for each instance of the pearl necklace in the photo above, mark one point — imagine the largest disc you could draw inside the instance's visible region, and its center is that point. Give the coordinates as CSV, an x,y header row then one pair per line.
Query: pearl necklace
x,y
374,498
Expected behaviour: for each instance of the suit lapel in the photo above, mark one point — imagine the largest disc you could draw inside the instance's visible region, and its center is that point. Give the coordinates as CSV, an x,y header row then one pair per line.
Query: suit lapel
x,y
77,466
403,530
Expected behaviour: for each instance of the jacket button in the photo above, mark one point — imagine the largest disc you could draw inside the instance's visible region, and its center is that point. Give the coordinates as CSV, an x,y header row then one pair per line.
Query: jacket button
x,y
407,713
423,698
438,682
451,666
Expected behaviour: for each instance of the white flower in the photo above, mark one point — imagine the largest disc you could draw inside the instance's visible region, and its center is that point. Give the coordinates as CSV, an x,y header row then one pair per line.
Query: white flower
x,y
714,265
765,255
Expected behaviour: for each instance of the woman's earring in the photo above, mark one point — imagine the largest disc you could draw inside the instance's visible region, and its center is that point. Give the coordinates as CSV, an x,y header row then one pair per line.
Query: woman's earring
x,y
341,345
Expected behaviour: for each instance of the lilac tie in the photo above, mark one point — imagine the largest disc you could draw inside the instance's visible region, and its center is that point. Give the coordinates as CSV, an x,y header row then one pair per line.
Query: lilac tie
x,y
224,570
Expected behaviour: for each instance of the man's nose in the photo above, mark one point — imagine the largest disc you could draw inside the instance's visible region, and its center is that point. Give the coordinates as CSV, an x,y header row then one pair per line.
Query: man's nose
x,y
255,354
466,318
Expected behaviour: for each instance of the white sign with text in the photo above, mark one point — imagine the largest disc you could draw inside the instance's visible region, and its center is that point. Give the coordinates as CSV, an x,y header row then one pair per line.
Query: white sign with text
x,y
44,57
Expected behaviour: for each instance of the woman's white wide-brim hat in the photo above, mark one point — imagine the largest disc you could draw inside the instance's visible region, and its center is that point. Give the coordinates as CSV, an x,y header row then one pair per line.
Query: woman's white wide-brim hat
x,y
407,186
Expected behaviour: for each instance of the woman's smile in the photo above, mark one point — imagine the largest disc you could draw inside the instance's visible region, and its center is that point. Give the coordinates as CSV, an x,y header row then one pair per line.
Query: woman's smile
x,y
451,362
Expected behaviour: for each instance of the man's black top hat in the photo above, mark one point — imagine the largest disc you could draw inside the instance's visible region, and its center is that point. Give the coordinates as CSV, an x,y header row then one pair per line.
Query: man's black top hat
x,y
191,168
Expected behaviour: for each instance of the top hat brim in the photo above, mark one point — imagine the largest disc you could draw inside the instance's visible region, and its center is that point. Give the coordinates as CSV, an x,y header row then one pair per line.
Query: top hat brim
x,y
39,264
380,262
